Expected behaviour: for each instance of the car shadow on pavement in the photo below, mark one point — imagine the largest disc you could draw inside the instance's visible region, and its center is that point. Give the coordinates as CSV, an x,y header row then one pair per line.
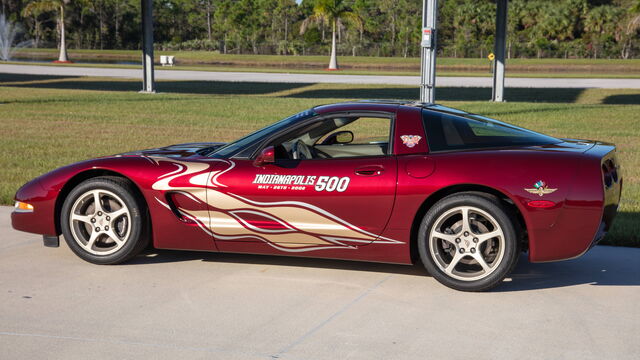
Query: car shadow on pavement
x,y
608,266
154,256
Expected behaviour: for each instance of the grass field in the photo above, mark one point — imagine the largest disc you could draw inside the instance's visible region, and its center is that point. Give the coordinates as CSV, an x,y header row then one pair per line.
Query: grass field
x,y
48,121
361,65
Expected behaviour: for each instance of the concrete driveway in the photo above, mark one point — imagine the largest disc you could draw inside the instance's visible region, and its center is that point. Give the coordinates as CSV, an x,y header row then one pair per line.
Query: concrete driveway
x,y
169,305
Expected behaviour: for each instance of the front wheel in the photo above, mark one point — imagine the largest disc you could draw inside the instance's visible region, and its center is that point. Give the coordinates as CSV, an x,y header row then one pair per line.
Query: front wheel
x,y
468,241
103,221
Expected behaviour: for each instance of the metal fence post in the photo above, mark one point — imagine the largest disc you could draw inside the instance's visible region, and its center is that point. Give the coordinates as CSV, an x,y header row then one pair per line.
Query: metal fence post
x,y
148,82
428,53
500,46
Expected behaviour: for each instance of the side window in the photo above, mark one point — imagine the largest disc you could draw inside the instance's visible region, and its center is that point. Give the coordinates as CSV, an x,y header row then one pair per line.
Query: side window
x,y
337,137
367,130
452,132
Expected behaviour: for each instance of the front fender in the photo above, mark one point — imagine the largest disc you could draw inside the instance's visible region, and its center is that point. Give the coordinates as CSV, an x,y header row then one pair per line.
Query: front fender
x,y
46,193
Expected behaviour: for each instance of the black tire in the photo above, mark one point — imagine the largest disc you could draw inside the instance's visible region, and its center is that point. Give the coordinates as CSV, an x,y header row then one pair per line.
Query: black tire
x,y
134,224
467,274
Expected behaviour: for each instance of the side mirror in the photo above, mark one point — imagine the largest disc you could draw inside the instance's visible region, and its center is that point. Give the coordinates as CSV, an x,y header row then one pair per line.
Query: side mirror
x,y
267,156
340,137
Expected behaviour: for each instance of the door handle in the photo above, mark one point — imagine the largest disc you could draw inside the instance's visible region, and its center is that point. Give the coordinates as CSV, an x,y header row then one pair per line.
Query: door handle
x,y
370,170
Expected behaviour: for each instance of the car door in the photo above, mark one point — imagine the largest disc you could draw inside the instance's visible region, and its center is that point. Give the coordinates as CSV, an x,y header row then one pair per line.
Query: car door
x,y
343,200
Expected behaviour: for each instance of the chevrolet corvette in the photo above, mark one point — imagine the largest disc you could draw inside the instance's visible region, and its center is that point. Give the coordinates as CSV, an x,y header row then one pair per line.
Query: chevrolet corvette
x,y
382,181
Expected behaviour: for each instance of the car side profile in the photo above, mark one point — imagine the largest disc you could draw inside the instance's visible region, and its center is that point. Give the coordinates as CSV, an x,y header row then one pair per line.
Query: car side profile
x,y
381,181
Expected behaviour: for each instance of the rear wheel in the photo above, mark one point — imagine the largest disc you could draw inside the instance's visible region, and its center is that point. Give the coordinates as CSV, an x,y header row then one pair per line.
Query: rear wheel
x,y
468,241
103,221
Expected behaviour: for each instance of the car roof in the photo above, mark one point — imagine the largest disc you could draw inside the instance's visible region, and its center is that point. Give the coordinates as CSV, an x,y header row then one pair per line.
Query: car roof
x,y
385,105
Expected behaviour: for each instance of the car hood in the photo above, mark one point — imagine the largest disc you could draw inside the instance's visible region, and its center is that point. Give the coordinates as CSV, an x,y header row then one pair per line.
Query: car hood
x,y
178,150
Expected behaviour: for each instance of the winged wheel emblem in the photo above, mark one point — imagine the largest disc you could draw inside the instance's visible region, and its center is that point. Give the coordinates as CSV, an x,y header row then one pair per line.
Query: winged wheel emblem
x,y
541,188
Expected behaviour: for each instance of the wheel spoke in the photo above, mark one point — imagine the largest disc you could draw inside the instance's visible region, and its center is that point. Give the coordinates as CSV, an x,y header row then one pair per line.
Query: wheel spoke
x,y
446,237
81,218
466,225
486,236
114,237
96,201
480,260
452,265
92,239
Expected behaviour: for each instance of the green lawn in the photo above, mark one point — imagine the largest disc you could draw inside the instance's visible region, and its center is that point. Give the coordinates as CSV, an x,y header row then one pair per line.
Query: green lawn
x,y
48,121
212,61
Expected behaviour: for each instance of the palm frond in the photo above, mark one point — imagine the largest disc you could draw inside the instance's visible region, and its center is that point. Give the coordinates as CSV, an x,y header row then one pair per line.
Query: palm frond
x,y
352,18
306,23
36,8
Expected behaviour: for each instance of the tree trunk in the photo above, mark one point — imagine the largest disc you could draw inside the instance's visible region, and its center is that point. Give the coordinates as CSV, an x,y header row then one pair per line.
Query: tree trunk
x,y
117,24
101,24
209,19
37,32
393,34
286,36
333,63
81,33
406,46
63,45
626,50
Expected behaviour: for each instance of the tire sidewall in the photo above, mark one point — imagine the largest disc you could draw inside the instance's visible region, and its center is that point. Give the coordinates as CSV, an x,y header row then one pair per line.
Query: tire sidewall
x,y
505,221
136,221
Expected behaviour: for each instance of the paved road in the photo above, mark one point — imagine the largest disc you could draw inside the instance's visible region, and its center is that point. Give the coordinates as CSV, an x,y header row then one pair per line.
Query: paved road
x,y
168,305
319,78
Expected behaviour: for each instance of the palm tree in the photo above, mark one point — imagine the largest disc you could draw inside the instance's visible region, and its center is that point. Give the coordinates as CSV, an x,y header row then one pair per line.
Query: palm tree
x,y
600,23
38,7
629,30
336,13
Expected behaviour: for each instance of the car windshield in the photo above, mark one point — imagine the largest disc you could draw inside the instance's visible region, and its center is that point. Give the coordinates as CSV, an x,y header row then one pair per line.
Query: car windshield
x,y
247,144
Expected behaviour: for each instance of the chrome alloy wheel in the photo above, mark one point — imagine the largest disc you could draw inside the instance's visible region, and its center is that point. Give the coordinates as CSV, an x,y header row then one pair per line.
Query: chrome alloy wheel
x,y
467,243
100,222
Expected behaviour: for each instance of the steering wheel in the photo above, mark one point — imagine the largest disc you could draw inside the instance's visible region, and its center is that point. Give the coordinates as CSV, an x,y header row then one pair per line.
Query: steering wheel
x,y
300,151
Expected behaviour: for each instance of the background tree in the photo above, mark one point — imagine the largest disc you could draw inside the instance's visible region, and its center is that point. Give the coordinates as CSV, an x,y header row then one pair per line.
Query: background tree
x,y
545,28
38,7
335,13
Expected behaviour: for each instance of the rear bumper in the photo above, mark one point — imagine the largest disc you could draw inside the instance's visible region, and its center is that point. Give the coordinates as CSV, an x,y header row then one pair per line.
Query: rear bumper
x,y
587,213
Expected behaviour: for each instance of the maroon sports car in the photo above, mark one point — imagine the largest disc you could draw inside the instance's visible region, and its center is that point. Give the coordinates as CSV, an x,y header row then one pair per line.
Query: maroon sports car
x,y
385,181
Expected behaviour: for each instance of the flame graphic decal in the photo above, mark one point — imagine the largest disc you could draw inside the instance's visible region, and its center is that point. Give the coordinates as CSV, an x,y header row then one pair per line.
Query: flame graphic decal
x,y
289,226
